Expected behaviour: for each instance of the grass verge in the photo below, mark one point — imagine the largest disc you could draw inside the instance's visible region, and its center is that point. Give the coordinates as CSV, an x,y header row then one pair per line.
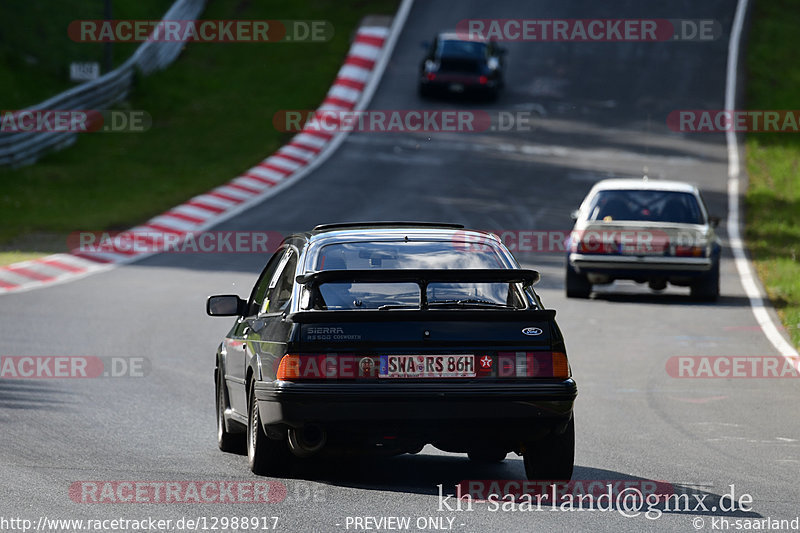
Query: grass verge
x,y
212,118
35,49
773,159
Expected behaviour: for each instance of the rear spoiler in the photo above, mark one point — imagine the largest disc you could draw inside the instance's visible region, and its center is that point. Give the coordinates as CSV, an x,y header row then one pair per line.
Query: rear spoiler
x,y
422,276
422,315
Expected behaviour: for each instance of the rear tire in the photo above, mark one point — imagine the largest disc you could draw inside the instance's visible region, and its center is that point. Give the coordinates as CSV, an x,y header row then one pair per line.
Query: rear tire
x,y
227,441
706,289
266,456
552,458
577,285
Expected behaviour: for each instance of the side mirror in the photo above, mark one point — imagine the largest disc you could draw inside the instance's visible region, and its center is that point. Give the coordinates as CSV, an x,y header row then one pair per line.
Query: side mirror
x,y
714,221
225,305
575,214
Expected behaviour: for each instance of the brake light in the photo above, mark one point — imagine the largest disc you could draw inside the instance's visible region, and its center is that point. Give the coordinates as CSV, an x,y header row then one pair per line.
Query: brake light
x,y
430,76
294,367
533,365
289,367
588,247
560,365
689,251
483,80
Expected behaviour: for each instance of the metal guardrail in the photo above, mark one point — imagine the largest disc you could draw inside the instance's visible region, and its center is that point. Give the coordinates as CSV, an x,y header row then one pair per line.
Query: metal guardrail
x,y
24,148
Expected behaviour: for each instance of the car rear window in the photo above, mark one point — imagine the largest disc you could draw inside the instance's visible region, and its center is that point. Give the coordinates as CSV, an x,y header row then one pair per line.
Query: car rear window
x,y
652,206
411,255
472,49
408,254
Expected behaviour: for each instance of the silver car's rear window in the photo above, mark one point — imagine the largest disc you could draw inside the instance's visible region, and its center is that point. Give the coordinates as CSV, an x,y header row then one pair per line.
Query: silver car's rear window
x,y
652,206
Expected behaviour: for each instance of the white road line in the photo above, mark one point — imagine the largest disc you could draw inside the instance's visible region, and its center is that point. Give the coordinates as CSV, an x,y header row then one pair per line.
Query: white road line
x,y
743,266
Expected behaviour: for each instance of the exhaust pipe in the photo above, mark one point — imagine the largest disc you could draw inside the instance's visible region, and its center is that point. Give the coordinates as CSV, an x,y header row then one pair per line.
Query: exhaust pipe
x,y
307,440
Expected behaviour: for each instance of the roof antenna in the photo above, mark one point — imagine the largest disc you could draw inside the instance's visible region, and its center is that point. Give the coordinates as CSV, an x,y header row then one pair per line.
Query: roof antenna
x,y
644,173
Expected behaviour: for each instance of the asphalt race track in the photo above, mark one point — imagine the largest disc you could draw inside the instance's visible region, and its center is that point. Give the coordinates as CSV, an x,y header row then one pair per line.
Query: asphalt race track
x,y
604,107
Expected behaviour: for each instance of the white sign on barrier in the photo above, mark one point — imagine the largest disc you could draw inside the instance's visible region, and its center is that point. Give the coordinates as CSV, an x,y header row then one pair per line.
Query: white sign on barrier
x,y
86,71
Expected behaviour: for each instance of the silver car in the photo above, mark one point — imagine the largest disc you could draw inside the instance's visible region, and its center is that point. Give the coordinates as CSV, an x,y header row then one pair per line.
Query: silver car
x,y
648,231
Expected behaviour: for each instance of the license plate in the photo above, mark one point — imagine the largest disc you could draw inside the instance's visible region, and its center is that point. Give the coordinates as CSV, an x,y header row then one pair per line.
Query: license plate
x,y
457,87
427,366
641,249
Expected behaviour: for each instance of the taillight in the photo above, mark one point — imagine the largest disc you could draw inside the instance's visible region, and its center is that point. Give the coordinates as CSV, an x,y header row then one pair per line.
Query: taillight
x,y
532,365
289,367
690,251
560,365
430,76
483,80
294,367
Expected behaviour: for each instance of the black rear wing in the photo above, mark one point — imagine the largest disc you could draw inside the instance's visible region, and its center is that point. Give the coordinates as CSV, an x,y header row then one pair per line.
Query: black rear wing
x,y
422,276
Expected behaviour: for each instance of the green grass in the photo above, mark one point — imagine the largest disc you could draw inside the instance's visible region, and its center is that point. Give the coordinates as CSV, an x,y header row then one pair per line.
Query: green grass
x,y
6,258
212,118
773,160
35,50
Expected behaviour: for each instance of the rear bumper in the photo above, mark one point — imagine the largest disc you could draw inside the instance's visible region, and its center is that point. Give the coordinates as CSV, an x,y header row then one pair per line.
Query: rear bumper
x,y
622,266
459,86
503,412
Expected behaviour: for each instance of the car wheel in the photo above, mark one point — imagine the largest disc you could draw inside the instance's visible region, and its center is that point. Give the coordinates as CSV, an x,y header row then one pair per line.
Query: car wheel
x,y
577,285
227,441
707,288
266,456
487,456
552,458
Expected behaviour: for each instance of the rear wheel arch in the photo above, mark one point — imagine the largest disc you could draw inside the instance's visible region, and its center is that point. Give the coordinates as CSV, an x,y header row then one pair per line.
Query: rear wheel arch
x,y
247,381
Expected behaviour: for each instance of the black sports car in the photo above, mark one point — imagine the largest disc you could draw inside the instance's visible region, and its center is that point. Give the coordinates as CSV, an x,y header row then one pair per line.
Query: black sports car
x,y
455,64
385,337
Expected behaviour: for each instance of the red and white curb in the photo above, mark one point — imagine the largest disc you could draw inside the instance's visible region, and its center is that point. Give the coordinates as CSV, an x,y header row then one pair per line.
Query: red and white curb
x,y
355,83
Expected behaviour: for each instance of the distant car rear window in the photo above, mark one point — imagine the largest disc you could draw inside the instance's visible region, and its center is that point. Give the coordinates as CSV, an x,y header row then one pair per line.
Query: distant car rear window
x,y
651,206
461,49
